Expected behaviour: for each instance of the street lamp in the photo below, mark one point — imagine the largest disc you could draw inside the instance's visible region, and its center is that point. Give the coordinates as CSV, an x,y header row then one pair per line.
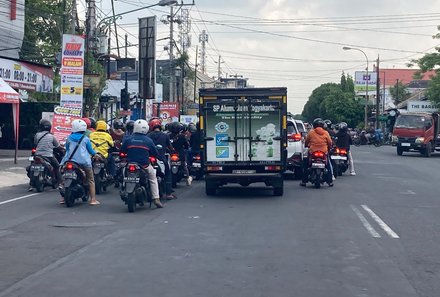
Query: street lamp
x,y
346,48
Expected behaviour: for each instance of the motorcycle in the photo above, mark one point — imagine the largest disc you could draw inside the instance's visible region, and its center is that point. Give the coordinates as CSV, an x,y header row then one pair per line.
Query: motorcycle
x,y
196,166
120,163
40,172
159,166
102,177
339,159
135,187
177,171
317,172
75,185
365,138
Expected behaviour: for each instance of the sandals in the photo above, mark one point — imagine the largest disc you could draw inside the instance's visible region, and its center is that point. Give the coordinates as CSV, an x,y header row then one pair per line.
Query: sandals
x,y
96,202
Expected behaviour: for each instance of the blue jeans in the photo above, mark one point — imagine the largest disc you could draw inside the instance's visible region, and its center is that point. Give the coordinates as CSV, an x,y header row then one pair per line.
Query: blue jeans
x,y
111,166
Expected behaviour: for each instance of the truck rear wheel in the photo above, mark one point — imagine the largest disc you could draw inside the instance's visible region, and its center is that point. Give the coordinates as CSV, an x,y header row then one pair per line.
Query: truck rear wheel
x,y
278,191
399,151
210,188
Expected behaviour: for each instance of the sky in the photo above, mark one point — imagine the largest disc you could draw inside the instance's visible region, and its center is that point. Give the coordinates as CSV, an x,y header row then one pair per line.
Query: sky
x,y
293,43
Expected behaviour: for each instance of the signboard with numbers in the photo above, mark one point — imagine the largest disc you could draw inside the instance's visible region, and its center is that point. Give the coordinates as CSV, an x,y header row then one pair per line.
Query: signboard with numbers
x,y
72,71
62,121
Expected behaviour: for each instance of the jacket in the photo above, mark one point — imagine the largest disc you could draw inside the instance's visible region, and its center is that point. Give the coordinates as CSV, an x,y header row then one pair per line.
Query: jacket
x,y
318,140
82,155
139,148
101,142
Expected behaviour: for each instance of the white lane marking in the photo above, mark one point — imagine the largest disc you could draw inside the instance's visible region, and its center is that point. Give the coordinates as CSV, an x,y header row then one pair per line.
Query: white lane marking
x,y
18,198
381,223
364,221
408,192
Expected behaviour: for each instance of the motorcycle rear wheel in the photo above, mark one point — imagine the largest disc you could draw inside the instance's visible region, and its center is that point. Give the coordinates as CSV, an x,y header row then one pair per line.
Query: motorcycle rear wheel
x,y
98,185
39,185
69,200
317,184
131,202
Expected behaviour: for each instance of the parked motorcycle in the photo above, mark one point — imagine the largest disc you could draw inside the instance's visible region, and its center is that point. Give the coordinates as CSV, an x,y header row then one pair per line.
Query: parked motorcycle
x,y
339,159
196,166
176,169
75,184
102,177
317,172
135,188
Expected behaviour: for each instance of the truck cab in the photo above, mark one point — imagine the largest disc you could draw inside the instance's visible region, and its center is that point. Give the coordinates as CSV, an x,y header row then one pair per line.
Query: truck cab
x,y
416,132
245,136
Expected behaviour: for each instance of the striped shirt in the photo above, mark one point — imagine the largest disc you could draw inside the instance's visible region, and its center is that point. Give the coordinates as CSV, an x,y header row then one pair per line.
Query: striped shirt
x,y
46,144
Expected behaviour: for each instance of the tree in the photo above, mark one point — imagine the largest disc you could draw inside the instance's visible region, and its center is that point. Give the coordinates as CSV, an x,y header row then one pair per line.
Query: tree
x,y
428,62
399,92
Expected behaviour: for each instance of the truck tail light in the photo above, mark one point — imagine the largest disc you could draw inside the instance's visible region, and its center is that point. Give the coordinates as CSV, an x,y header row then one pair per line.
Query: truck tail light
x,y
214,168
272,168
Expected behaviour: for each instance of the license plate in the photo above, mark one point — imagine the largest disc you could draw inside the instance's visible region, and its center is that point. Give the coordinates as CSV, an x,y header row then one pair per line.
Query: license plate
x,y
318,165
37,168
131,179
244,171
175,163
339,158
99,165
197,165
69,175
31,158
405,144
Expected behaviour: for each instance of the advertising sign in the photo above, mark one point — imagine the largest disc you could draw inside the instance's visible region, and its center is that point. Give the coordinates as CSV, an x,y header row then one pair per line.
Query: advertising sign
x,y
186,119
167,111
361,78
62,121
26,76
422,106
147,57
72,71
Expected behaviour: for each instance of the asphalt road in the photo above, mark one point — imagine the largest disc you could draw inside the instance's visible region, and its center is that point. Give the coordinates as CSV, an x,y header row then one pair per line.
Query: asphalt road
x,y
375,234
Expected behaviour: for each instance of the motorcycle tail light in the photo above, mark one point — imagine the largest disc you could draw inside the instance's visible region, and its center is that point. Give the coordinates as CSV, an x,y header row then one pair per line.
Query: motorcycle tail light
x,y
33,151
153,159
174,157
132,168
69,166
343,152
122,155
197,158
318,154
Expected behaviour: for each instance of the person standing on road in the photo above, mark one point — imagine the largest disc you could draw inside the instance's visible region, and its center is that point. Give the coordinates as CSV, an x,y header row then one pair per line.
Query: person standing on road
x,y
343,140
317,139
139,147
82,155
162,139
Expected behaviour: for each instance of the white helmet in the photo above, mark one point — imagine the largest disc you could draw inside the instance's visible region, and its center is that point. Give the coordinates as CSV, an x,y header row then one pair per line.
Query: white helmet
x,y
141,126
79,126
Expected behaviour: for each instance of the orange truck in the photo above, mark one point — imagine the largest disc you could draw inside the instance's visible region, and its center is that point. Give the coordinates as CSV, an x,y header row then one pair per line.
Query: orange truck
x,y
417,132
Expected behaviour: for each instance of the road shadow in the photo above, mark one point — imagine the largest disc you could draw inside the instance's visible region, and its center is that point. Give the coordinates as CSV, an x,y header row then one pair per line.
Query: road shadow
x,y
238,192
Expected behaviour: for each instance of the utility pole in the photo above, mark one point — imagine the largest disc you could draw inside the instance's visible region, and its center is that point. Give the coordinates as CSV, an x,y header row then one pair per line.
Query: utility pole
x,y
397,91
203,39
172,83
74,21
377,93
219,70
116,28
195,75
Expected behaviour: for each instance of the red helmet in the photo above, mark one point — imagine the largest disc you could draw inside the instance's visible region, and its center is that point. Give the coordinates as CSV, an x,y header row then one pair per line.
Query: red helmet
x,y
88,122
155,123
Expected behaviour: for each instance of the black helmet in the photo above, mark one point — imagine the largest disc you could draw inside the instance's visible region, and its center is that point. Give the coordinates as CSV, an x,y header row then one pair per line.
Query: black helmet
x,y
192,128
318,122
129,126
45,125
343,126
92,123
328,124
117,124
174,127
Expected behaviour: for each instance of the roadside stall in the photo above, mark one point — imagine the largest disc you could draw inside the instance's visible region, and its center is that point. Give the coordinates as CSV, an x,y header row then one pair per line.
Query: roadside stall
x,y
9,96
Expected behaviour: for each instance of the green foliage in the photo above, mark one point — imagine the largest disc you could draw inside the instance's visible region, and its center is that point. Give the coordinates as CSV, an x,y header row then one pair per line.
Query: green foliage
x,y
399,92
433,92
335,102
91,96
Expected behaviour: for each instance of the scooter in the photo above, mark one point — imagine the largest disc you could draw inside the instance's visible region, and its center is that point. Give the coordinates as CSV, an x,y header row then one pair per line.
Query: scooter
x,y
75,185
196,166
339,159
40,172
135,189
101,175
176,169
317,171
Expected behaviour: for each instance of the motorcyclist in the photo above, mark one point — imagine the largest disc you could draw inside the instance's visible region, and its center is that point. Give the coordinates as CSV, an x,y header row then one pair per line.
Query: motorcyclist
x,y
343,140
82,155
195,140
181,145
117,133
45,144
89,126
317,139
139,147
328,126
129,128
102,142
162,139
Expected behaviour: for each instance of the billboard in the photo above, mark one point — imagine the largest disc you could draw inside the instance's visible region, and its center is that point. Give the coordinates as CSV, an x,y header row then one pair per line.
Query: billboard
x,y
361,79
147,58
26,76
62,121
422,106
167,111
72,71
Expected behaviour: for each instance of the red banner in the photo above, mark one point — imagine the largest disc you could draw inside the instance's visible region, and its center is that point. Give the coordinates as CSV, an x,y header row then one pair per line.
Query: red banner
x,y
167,111
62,122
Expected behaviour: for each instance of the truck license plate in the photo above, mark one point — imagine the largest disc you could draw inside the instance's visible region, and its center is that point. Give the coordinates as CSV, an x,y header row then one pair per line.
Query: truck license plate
x,y
244,171
405,144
